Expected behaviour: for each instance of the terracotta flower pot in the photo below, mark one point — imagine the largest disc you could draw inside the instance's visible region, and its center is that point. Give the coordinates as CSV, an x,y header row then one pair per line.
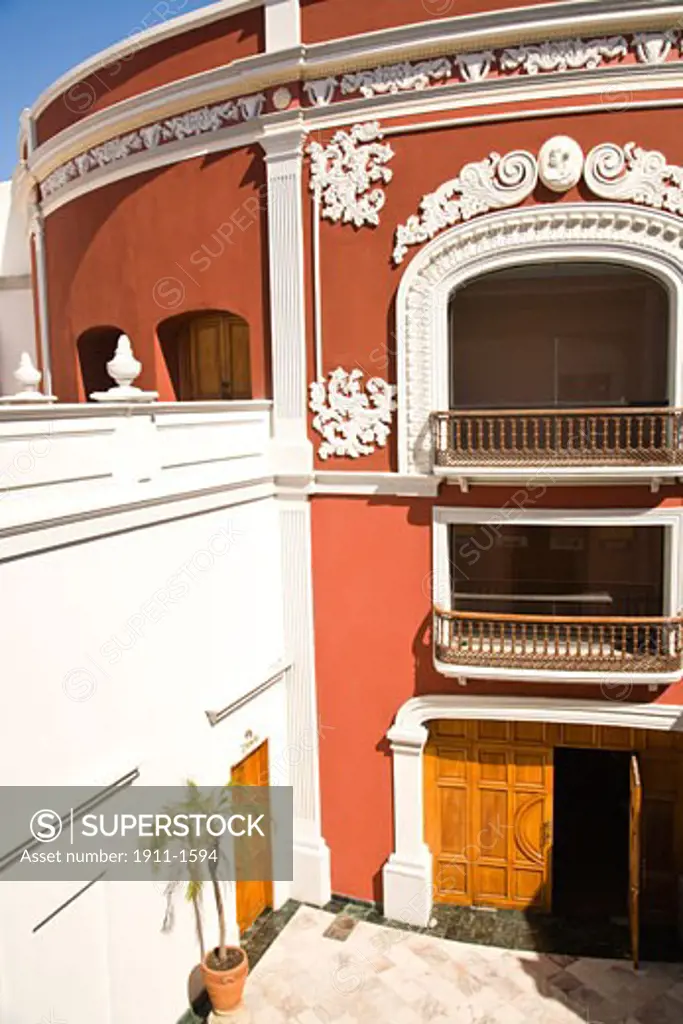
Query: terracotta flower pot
x,y
225,987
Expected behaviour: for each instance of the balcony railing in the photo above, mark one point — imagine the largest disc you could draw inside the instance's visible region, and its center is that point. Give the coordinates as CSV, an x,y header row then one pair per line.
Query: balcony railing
x,y
559,643
580,437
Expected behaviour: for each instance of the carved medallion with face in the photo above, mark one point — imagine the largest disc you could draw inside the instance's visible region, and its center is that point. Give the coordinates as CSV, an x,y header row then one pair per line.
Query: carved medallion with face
x,y
560,163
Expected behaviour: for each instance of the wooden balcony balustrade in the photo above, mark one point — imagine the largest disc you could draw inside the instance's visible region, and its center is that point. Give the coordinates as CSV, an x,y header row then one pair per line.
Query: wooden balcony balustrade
x,y
559,643
581,437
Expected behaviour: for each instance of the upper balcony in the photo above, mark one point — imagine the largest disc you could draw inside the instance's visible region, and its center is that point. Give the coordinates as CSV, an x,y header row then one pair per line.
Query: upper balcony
x,y
569,367
558,595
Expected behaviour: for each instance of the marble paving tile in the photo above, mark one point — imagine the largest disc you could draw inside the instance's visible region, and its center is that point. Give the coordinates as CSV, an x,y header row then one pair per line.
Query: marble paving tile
x,y
381,975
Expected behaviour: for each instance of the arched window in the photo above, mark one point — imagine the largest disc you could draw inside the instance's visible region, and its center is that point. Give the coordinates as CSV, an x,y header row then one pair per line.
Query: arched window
x,y
96,347
559,335
207,355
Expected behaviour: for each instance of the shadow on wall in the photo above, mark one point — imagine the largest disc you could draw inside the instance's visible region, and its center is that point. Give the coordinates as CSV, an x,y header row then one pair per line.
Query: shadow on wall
x,y
95,348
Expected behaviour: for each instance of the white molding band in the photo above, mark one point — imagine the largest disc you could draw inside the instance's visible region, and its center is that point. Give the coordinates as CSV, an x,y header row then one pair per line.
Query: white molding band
x,y
644,238
466,60
407,875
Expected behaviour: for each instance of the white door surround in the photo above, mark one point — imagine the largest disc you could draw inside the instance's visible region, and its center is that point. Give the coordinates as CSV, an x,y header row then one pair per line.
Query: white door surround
x,y
643,238
407,875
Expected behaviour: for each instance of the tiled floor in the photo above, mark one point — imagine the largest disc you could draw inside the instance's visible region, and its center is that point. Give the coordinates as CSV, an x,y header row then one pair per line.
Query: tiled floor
x,y
365,973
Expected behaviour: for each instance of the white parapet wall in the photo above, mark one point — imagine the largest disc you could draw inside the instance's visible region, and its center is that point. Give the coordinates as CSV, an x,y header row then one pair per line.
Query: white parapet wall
x,y
17,325
140,568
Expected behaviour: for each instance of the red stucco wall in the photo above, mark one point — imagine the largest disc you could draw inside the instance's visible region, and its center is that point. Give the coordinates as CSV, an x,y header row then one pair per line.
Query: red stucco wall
x,y
372,565
186,54
140,250
359,281
335,19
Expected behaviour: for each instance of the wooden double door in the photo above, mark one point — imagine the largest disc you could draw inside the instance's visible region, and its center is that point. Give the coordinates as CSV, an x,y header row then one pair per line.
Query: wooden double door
x,y
489,819
214,358
492,803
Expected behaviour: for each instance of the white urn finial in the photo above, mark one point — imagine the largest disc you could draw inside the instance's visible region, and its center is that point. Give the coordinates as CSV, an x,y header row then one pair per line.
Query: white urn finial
x,y
28,377
124,368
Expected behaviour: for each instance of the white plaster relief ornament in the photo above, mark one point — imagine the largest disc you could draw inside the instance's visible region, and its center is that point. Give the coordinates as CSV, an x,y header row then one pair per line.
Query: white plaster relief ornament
x,y
563,54
613,172
549,56
352,421
491,184
560,163
343,171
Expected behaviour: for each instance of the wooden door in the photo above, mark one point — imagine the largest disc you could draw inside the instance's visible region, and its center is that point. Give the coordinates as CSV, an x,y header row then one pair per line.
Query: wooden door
x,y
660,837
489,822
634,859
252,896
215,362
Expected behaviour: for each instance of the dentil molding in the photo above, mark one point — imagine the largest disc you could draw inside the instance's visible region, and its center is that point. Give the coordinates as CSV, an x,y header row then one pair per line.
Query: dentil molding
x,y
352,420
625,173
344,171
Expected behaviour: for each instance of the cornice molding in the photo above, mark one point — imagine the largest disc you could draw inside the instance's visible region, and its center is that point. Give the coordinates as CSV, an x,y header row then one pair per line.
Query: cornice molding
x,y
464,43
137,41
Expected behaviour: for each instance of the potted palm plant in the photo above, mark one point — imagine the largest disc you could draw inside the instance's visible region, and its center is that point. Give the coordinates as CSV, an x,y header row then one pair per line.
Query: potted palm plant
x,y
224,967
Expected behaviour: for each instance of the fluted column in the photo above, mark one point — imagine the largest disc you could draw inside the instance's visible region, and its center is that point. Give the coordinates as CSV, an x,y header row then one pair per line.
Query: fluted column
x,y
293,459
283,155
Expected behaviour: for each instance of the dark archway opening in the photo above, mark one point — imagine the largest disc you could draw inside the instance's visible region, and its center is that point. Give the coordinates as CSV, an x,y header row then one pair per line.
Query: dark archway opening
x,y
591,834
559,335
95,347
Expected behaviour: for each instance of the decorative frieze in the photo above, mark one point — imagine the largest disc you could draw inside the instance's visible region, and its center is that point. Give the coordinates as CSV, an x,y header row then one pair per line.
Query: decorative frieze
x,y
474,66
654,47
393,78
546,57
343,171
352,420
563,54
202,121
620,173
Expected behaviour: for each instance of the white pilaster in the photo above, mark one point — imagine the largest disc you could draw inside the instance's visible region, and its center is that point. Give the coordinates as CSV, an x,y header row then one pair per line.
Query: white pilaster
x,y
407,875
283,24
283,156
311,854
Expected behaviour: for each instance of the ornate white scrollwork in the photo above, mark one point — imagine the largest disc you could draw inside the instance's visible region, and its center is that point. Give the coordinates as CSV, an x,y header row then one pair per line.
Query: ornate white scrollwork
x,y
343,171
639,175
395,78
352,421
492,184
654,47
563,54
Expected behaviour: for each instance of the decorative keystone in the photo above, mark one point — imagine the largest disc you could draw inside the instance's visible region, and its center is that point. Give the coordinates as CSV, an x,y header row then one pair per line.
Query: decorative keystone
x,y
28,377
124,368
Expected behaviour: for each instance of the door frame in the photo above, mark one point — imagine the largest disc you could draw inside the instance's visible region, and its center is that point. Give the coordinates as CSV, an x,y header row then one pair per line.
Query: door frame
x,y
407,874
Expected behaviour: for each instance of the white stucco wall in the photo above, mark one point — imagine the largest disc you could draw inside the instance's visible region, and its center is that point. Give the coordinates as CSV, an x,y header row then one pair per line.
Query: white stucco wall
x,y
115,645
17,328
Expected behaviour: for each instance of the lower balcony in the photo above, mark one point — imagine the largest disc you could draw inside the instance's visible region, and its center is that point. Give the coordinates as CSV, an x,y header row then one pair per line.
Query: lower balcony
x,y
557,643
602,439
